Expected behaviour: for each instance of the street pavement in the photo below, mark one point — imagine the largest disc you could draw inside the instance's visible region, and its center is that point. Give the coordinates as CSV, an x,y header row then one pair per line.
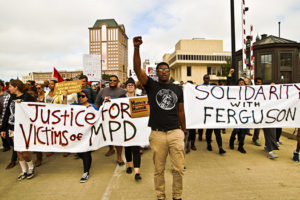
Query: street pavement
x,y
209,176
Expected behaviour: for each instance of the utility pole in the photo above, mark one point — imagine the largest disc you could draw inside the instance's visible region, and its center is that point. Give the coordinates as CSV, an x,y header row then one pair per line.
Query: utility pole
x,y
233,60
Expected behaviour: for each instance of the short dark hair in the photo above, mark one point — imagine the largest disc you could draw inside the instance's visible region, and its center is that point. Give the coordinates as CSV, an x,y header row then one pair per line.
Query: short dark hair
x,y
1,83
241,80
257,78
130,80
162,63
114,76
83,77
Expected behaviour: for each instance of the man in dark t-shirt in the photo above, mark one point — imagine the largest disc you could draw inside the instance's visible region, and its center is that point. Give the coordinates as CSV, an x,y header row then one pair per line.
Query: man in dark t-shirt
x,y
167,122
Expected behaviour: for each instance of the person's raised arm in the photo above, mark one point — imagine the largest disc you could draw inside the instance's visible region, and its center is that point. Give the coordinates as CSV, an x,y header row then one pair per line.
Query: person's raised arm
x,y
143,78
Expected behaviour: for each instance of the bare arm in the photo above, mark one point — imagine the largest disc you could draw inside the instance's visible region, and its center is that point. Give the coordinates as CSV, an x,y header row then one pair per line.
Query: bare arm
x,y
143,78
181,116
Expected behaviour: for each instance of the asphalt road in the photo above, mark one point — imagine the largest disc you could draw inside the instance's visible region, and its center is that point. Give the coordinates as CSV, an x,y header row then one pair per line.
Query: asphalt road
x,y
208,176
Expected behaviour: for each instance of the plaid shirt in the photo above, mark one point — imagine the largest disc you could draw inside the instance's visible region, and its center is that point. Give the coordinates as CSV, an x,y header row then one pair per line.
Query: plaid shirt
x,y
4,105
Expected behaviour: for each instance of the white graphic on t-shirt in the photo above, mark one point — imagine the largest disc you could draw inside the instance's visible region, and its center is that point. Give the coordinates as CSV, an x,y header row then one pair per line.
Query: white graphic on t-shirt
x,y
166,99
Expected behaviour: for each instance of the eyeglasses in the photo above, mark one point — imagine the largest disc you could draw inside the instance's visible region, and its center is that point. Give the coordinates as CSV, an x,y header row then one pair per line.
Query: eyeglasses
x,y
163,70
113,80
81,96
131,85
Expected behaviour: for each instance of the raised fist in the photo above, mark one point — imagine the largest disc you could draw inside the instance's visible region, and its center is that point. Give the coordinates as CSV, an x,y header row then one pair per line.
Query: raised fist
x,y
137,41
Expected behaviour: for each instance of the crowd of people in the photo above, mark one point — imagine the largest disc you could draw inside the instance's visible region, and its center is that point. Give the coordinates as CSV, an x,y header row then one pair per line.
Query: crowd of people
x,y
167,121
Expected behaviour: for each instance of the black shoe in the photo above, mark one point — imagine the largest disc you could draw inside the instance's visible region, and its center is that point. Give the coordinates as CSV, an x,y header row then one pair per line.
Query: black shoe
x,y
137,177
129,170
6,149
221,151
209,148
177,199
242,150
231,144
249,134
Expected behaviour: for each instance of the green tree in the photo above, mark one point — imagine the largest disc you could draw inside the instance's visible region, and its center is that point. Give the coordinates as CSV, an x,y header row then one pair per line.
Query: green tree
x,y
105,77
226,67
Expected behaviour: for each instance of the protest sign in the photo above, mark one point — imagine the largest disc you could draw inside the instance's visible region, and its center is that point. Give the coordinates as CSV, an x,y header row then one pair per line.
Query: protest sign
x,y
65,128
70,86
92,66
139,107
249,106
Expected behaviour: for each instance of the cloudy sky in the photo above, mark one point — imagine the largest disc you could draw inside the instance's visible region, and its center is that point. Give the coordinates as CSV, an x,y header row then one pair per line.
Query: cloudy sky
x,y
36,35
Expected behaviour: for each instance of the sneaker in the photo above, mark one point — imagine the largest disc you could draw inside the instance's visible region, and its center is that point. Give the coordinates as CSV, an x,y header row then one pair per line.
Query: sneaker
x,y
221,151
242,150
209,147
193,147
30,173
129,170
84,177
272,155
257,142
265,148
22,176
137,177
296,156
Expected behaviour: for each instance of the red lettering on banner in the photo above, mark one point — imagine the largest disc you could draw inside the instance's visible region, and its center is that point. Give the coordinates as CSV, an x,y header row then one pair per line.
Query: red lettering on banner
x,y
87,119
36,111
76,118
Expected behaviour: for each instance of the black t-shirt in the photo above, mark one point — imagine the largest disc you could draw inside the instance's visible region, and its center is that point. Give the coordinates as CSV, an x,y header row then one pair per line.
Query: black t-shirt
x,y
163,100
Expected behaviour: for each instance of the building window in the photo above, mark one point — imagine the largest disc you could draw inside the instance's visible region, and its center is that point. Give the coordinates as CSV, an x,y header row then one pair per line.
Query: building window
x,y
266,67
189,71
209,70
285,60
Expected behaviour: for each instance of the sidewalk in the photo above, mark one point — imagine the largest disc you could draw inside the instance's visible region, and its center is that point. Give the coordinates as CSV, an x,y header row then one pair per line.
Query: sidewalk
x,y
209,176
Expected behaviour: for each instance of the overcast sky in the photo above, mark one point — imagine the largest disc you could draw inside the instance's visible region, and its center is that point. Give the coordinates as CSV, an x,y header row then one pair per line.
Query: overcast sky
x,y
36,35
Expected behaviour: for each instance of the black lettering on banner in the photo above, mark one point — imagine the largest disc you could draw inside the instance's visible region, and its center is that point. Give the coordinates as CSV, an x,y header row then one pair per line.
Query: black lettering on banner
x,y
93,130
232,115
219,115
205,113
212,92
228,89
289,112
261,118
246,92
235,104
111,130
125,130
247,117
271,117
282,118
207,93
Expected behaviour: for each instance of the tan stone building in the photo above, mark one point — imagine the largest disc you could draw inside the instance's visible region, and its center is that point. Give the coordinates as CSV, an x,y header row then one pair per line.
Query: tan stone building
x,y
194,58
40,77
108,39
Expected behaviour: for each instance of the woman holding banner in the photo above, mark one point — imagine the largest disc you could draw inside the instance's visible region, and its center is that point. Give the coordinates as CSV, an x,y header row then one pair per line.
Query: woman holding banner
x,y
18,94
132,152
86,157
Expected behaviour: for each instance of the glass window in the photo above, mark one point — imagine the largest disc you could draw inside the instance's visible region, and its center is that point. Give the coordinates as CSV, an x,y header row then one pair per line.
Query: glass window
x,y
214,71
266,67
209,70
219,72
189,71
285,60
286,77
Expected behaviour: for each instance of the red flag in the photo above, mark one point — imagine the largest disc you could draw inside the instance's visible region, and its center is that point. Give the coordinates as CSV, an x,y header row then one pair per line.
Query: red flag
x,y
57,75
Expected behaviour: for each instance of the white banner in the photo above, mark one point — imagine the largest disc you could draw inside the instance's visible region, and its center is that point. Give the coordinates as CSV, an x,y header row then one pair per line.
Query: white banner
x,y
92,66
242,106
63,128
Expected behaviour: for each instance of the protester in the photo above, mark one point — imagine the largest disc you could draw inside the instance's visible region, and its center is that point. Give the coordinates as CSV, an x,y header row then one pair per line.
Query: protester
x,y
46,86
255,138
112,92
84,86
296,152
132,152
241,132
18,93
85,156
3,94
166,119
270,142
41,93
